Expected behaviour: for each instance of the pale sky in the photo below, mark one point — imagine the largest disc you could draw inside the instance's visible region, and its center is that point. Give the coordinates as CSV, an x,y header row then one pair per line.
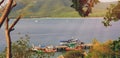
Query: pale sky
x,y
108,0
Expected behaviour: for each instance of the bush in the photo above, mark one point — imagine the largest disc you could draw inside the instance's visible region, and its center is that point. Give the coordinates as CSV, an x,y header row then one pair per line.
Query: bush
x,y
74,54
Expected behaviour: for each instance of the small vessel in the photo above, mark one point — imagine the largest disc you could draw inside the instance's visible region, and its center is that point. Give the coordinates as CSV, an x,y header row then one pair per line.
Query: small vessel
x,y
73,41
50,49
66,45
74,44
47,49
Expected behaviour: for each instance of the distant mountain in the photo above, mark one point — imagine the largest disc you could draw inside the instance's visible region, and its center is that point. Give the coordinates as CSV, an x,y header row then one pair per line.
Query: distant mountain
x,y
53,8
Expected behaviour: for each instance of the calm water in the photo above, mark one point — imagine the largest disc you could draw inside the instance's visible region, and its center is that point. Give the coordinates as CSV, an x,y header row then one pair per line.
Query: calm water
x,y
49,31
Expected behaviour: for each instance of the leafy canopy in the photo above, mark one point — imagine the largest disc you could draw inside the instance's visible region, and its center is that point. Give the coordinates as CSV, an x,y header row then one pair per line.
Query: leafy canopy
x,y
112,14
84,7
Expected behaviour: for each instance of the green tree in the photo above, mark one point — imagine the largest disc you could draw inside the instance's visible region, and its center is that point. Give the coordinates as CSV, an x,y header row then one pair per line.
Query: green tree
x,y
84,7
115,46
112,14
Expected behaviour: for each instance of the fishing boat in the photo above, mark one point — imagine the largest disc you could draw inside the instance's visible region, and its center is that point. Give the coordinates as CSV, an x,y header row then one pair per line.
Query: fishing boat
x,y
66,42
47,49
66,45
74,44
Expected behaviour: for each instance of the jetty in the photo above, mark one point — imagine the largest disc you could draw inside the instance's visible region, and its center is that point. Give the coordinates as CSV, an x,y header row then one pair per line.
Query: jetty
x,y
68,45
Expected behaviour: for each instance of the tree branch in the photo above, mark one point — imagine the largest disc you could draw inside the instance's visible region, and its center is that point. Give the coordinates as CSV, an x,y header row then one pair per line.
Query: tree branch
x,y
14,23
1,2
14,4
6,23
6,12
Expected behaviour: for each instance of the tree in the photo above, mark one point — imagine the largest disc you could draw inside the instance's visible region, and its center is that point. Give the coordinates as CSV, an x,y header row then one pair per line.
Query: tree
x,y
115,46
5,11
84,7
112,14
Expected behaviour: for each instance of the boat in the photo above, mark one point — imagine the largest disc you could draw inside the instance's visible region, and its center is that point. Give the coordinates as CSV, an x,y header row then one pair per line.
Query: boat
x,y
73,44
47,49
74,49
50,49
73,41
66,45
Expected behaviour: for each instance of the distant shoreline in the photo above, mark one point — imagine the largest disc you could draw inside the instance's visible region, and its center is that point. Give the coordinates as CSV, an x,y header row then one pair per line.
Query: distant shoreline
x,y
64,18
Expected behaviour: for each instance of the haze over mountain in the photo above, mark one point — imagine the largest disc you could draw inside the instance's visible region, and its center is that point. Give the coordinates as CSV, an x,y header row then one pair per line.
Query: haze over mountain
x,y
53,8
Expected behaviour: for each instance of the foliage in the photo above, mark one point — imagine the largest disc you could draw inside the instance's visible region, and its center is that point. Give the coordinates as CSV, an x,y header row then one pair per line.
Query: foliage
x,y
84,7
21,49
115,46
112,14
74,54
100,50
2,54
109,49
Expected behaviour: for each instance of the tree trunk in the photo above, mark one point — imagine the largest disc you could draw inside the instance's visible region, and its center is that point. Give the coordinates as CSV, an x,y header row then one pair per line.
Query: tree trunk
x,y
4,17
8,39
7,35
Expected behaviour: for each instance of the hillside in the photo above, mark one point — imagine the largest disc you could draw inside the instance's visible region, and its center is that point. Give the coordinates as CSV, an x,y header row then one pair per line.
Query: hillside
x,y
52,8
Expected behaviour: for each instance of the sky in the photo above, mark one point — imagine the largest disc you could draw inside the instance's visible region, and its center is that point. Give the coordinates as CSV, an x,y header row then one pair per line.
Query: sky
x,y
108,0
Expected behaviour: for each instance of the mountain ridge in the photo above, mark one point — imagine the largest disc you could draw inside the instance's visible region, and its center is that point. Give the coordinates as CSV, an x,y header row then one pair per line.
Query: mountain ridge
x,y
53,8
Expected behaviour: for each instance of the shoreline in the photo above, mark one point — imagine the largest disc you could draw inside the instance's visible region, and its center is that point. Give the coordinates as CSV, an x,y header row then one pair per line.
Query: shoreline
x,y
65,18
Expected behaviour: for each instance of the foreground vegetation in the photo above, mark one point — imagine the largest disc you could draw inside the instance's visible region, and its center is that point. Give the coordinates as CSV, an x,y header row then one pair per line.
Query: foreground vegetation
x,y
109,49
21,49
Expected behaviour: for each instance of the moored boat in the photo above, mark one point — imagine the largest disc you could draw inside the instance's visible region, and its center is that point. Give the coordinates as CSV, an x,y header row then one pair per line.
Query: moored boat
x,y
46,49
